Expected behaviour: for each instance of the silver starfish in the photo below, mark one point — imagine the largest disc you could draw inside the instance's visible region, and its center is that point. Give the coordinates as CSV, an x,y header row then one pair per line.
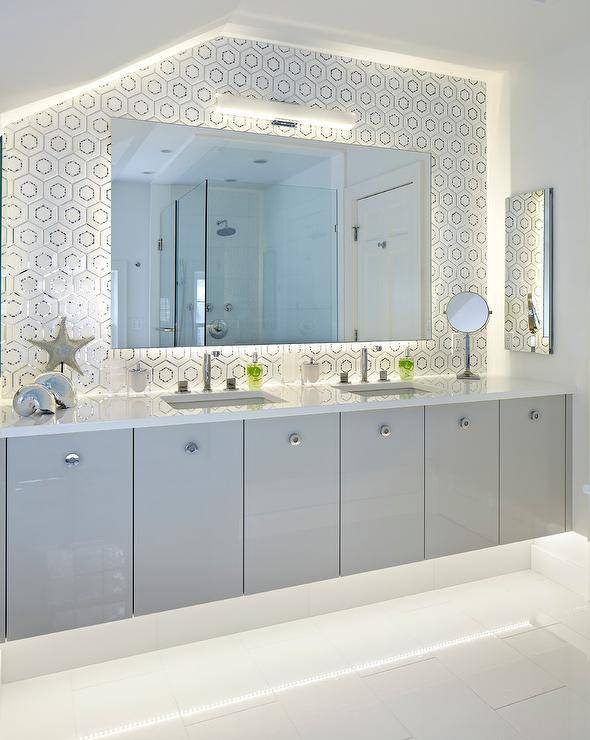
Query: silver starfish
x,y
63,348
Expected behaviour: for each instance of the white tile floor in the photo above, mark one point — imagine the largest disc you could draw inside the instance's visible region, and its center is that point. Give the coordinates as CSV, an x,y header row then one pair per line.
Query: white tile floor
x,y
500,659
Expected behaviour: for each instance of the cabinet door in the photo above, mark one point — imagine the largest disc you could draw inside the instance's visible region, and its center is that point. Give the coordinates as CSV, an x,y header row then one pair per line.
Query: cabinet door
x,y
188,515
382,489
532,467
2,539
462,477
291,498
70,501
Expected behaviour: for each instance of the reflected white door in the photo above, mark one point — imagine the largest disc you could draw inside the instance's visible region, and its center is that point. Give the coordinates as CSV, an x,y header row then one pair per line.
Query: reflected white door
x,y
388,265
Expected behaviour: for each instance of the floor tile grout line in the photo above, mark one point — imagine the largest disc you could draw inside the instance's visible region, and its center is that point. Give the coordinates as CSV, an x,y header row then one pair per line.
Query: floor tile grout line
x,y
528,698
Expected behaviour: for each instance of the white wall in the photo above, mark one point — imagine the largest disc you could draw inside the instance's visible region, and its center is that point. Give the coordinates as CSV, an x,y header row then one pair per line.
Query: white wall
x,y
549,129
131,232
300,289
235,261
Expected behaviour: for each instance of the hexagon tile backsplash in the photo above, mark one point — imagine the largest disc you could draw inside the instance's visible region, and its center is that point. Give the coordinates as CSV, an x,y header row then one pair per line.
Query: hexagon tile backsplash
x,y
56,194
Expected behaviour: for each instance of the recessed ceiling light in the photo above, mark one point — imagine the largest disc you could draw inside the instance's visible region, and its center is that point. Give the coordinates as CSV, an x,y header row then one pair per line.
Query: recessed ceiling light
x,y
260,161
148,172
166,151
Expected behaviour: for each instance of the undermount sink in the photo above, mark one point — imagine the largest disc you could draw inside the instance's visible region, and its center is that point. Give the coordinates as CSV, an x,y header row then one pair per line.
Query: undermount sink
x,y
207,399
387,388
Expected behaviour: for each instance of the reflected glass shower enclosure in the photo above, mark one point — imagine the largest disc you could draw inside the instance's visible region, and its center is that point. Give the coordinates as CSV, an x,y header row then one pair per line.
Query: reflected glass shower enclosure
x,y
245,263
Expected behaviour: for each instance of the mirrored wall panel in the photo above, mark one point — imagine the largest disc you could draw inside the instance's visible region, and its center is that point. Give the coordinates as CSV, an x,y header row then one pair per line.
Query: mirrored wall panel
x,y
528,320
232,238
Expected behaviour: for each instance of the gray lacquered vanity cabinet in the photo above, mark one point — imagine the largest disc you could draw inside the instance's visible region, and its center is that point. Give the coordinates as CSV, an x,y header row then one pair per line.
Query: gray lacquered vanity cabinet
x,y
176,515
69,525
291,494
462,477
532,467
382,454
188,543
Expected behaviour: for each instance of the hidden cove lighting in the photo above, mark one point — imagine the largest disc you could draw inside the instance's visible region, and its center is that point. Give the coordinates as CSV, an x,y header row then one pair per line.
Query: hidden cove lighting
x,y
272,691
283,114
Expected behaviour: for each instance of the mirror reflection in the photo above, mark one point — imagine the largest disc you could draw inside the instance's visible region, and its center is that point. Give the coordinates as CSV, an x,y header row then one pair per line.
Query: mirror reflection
x,y
230,238
528,318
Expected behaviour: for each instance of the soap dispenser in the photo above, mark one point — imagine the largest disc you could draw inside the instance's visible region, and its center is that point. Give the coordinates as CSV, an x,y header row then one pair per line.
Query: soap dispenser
x,y
254,373
406,365
139,377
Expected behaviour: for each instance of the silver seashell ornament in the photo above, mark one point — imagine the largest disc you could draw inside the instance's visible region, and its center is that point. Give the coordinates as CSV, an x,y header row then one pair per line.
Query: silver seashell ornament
x,y
61,387
34,399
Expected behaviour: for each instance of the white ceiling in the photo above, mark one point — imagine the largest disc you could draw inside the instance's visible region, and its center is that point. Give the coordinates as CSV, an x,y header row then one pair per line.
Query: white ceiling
x,y
174,154
50,47
193,155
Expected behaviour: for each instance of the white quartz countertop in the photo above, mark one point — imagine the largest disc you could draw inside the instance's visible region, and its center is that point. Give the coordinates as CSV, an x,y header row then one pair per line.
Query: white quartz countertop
x,y
128,411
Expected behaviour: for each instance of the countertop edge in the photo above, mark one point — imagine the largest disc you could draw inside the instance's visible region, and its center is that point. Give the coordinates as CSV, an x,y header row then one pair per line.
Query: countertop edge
x,y
59,425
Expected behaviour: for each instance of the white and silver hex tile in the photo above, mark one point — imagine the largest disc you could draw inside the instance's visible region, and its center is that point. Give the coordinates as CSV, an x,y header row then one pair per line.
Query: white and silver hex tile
x,y
56,192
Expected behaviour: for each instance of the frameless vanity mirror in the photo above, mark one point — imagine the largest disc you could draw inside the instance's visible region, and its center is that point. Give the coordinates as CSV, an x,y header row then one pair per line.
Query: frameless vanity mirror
x,y
468,312
528,318
227,238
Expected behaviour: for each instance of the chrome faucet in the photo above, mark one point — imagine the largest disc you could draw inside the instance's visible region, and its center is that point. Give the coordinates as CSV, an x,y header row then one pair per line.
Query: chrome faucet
x,y
207,369
365,362
364,365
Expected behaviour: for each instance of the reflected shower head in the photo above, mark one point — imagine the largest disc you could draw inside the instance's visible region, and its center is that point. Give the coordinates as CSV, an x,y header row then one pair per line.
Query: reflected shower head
x,y
224,229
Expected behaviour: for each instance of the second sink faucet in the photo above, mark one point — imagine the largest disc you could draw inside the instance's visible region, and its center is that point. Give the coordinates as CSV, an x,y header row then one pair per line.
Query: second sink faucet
x,y
207,369
365,362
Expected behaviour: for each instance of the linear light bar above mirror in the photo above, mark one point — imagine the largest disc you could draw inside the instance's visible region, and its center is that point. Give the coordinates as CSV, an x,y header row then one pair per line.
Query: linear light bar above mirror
x,y
229,238
283,113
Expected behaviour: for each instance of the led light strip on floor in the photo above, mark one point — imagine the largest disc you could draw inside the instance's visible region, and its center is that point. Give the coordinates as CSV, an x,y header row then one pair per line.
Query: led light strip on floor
x,y
290,685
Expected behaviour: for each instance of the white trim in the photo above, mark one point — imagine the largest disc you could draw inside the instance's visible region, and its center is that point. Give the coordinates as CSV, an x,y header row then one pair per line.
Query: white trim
x,y
326,40
269,30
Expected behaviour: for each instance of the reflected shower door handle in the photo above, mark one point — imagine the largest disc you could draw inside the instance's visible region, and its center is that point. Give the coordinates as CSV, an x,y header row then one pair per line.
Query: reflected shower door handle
x,y
166,329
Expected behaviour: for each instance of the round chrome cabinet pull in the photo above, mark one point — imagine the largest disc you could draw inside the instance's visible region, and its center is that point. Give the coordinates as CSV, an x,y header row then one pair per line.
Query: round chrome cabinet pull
x,y
191,448
535,415
385,430
464,423
72,459
295,440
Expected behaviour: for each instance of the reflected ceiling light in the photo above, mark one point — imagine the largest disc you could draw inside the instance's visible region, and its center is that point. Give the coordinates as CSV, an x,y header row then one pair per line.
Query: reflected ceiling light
x,y
283,114
166,151
352,670
260,161
148,172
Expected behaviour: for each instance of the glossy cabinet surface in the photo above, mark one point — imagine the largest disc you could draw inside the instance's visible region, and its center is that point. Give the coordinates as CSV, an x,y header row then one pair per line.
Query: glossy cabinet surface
x,y
291,501
382,458
103,524
188,543
462,477
69,512
532,467
2,539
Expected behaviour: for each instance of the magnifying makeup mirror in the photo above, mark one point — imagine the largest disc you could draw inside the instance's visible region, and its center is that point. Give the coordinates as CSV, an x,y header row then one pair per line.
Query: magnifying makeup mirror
x,y
468,312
